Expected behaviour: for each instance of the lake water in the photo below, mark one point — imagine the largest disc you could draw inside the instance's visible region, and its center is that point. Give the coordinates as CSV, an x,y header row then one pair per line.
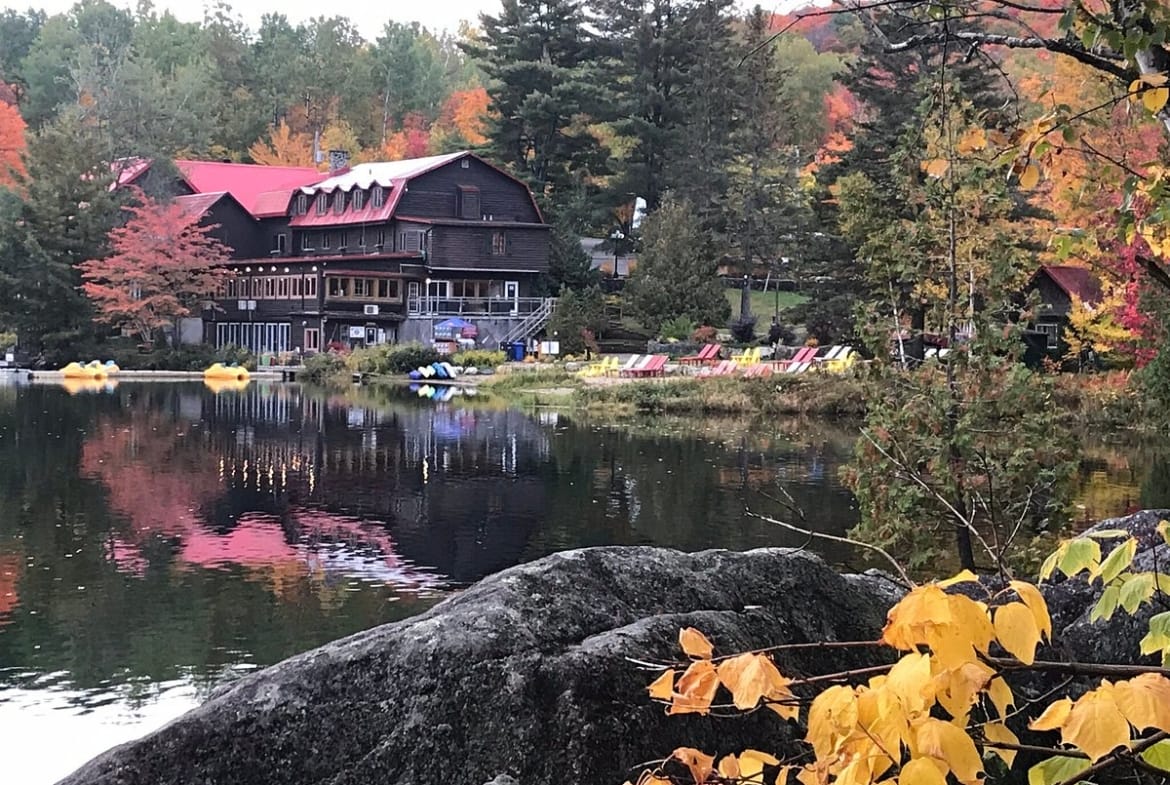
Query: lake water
x,y
158,540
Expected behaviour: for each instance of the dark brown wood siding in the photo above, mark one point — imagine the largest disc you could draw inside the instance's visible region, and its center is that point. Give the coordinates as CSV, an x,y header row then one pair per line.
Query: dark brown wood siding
x,y
235,228
436,194
470,248
1053,300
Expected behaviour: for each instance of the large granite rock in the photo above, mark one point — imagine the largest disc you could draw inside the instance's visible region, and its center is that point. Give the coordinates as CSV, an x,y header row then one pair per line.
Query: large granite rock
x,y
525,677
1071,601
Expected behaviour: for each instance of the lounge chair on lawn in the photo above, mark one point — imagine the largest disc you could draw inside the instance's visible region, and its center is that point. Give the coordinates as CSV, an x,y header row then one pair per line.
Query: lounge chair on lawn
x,y
804,364
656,366
803,354
708,355
722,368
602,368
629,364
749,357
843,361
758,371
635,364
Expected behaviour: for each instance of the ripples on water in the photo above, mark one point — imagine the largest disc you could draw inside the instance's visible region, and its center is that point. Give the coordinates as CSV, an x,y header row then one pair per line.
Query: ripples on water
x,y
159,540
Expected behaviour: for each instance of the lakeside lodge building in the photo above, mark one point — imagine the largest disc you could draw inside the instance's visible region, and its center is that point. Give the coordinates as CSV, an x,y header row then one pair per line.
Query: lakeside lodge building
x,y
369,254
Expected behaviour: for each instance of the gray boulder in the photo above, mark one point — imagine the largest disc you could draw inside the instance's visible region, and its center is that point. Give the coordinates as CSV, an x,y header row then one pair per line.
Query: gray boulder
x,y
525,678
1071,601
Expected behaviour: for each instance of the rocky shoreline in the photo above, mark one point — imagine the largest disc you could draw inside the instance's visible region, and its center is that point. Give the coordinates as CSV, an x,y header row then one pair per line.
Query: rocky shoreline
x,y
531,675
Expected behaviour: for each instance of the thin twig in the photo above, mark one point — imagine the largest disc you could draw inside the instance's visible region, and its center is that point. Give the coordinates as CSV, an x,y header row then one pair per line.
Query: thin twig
x,y
1078,668
835,538
1003,745
1116,757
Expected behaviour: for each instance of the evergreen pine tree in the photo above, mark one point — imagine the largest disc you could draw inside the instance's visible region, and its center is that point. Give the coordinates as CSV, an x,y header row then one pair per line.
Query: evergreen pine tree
x,y
766,213
541,61
676,273
69,210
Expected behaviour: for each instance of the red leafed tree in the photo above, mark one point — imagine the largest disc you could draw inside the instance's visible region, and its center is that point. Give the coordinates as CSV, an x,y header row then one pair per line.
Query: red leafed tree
x,y
11,144
162,265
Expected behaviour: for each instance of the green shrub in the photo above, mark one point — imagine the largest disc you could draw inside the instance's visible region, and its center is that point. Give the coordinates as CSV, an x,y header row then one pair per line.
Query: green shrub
x,y
679,328
479,358
392,358
322,368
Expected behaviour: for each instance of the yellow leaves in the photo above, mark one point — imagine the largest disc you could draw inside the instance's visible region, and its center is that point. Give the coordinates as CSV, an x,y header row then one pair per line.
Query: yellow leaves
x,y
921,771
662,687
1030,177
1016,629
953,626
1001,696
952,746
1155,99
695,689
1144,701
1099,721
700,765
751,677
1054,716
999,733
911,682
1095,725
1032,597
695,644
749,765
831,719
936,167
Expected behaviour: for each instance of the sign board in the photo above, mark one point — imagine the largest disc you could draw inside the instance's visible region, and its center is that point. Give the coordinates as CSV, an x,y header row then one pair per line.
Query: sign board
x,y
550,347
357,332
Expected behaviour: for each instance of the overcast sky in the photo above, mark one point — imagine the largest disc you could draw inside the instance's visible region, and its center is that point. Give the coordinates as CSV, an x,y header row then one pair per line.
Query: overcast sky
x,y
368,15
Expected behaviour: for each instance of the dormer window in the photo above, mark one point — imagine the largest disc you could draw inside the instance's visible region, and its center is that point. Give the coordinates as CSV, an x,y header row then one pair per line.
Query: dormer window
x,y
339,202
322,204
302,205
377,196
359,199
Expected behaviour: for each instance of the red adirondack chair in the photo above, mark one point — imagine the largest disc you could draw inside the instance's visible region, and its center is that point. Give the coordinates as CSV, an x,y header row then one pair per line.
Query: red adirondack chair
x,y
655,367
803,355
708,355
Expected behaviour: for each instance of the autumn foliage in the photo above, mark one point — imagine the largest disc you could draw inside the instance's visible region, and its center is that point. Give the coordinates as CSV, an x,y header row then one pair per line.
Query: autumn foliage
x,y
944,708
163,263
12,144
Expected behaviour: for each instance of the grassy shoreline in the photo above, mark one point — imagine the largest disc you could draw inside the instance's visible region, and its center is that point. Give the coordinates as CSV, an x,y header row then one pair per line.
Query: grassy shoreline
x,y
1106,401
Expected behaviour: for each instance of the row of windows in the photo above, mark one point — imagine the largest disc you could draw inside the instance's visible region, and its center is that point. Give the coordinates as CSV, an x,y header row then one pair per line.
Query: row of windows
x,y
365,288
271,287
256,337
410,241
338,200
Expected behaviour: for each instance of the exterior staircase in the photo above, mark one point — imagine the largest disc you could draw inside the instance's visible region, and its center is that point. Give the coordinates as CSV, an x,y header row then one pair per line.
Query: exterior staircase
x,y
533,323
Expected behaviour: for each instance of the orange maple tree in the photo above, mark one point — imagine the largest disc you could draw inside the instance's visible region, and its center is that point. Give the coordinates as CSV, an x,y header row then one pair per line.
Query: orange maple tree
x,y
284,147
12,144
465,111
163,263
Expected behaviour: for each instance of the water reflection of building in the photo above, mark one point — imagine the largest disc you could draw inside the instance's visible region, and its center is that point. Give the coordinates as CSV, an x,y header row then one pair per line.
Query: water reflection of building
x,y
275,475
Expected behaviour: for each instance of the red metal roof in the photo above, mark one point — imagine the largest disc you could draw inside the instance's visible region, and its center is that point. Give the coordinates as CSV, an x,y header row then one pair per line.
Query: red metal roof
x,y
251,184
368,213
1075,281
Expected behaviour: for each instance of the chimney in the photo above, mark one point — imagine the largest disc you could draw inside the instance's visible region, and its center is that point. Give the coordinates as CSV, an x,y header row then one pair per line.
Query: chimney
x,y
338,161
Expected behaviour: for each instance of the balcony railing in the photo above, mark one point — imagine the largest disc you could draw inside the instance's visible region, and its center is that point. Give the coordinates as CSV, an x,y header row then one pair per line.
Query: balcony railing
x,y
473,306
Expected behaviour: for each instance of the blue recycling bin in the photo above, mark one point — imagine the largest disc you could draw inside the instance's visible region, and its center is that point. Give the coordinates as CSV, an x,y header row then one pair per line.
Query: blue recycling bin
x,y
519,349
